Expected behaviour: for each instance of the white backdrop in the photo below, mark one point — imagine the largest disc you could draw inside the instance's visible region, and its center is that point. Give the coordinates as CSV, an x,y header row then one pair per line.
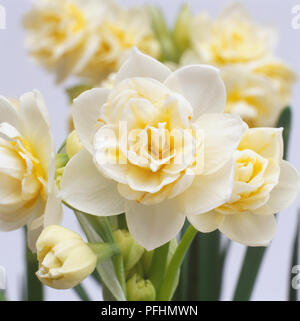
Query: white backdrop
x,y
18,75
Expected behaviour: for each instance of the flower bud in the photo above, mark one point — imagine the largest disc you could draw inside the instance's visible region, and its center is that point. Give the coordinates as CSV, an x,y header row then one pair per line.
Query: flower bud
x,y
131,251
182,28
73,144
139,289
64,258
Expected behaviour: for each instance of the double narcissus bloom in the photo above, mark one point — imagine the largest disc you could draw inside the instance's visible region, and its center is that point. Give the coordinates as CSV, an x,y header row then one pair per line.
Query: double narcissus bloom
x,y
157,146
64,258
258,84
264,184
27,167
88,38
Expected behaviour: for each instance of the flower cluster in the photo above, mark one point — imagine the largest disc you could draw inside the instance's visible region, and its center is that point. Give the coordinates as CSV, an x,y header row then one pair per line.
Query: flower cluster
x,y
89,38
258,83
159,147
156,145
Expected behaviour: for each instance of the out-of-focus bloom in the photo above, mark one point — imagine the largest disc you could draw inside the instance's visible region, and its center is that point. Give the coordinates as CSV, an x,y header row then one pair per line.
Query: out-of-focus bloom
x,y
230,39
251,95
88,38
139,289
64,258
261,83
280,74
119,32
27,167
264,185
60,33
73,144
158,146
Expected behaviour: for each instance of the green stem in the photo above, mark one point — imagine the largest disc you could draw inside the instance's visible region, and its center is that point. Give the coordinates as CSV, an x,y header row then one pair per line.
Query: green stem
x,y
63,145
165,292
2,296
102,226
158,265
34,286
81,292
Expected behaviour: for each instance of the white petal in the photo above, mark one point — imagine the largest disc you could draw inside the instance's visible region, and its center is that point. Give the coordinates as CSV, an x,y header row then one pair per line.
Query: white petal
x,y
9,113
141,65
223,133
267,142
106,151
11,164
207,222
86,111
249,229
53,211
153,225
202,86
208,191
85,189
284,193
36,127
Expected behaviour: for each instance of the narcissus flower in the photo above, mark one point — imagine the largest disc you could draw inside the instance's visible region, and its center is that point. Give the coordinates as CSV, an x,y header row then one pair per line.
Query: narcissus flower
x,y
230,39
64,258
59,33
252,96
88,38
27,167
158,146
264,185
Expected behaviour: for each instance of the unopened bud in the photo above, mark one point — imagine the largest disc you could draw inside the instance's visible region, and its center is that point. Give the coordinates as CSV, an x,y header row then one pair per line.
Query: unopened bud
x,y
131,251
139,289
73,144
64,258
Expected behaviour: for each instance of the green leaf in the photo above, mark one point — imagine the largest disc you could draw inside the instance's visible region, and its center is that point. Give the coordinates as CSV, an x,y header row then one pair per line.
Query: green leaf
x,y
295,261
81,292
34,288
251,264
159,265
2,296
285,120
105,269
205,272
171,276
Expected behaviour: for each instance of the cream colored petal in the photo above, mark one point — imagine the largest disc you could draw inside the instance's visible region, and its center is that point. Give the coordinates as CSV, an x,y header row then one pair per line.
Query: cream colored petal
x,y
284,193
141,65
249,229
106,154
140,179
9,113
86,112
53,212
153,225
36,127
207,222
222,135
182,184
84,188
11,164
202,86
267,142
18,218
208,191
